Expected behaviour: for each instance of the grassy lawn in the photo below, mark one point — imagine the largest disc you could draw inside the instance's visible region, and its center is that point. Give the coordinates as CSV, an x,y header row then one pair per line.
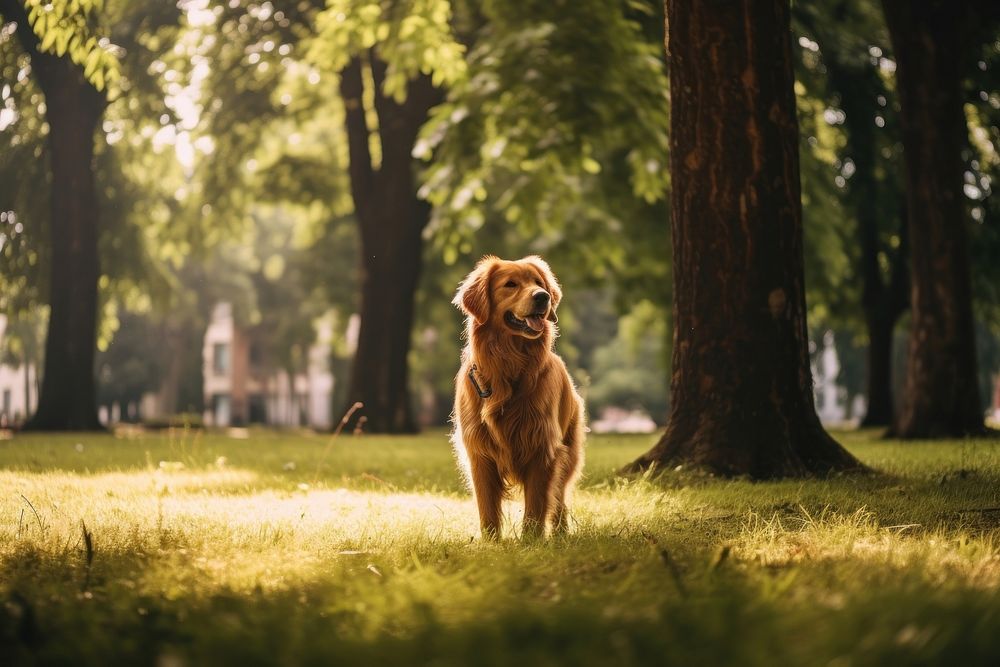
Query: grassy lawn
x,y
293,549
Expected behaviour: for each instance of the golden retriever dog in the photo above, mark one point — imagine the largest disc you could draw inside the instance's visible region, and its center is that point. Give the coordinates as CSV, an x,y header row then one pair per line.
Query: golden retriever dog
x,y
518,418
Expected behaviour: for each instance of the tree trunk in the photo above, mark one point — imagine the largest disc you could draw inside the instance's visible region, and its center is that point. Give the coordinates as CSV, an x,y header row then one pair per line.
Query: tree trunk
x,y
741,391
883,301
169,388
941,395
380,372
391,219
73,112
879,368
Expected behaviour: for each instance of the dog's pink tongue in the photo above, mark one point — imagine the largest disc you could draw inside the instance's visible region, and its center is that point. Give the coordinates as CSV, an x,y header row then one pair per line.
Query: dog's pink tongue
x,y
534,322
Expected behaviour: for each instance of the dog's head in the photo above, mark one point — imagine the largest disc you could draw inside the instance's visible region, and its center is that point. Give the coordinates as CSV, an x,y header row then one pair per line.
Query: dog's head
x,y
519,297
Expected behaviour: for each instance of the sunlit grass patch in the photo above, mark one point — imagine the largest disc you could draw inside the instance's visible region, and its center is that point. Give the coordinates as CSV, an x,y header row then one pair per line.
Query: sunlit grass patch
x,y
295,549
860,540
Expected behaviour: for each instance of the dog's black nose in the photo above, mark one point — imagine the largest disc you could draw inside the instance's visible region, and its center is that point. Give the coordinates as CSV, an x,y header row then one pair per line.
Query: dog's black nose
x,y
541,298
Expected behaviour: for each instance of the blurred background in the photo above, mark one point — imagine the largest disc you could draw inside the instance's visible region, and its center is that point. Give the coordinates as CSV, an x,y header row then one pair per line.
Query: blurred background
x,y
285,195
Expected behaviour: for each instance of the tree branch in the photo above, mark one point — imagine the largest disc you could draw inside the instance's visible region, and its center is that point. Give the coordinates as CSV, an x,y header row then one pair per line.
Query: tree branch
x,y
360,168
399,124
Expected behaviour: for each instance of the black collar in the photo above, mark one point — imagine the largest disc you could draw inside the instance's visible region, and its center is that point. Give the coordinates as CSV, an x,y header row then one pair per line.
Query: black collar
x,y
483,393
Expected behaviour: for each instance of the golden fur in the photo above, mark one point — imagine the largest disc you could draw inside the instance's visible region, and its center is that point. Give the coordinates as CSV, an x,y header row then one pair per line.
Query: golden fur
x,y
530,429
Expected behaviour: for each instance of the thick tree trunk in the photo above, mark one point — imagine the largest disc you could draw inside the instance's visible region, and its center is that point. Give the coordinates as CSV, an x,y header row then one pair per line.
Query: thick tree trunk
x,y
941,394
380,372
391,219
741,391
73,111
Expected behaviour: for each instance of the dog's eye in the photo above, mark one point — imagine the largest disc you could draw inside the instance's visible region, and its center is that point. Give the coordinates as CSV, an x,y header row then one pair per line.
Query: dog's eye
x,y
510,283
539,283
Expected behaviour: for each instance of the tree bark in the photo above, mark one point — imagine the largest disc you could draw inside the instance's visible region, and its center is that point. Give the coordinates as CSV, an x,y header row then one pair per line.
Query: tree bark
x,y
941,394
741,390
73,111
391,219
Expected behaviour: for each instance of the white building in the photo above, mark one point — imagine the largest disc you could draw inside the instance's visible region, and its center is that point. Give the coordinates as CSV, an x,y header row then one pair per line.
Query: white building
x,y
18,388
240,388
831,398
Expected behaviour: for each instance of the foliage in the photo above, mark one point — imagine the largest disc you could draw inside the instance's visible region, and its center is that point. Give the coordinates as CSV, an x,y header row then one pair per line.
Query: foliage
x,y
843,60
364,553
629,371
135,196
291,295
66,28
133,363
268,124
23,190
558,127
983,172
22,339
410,36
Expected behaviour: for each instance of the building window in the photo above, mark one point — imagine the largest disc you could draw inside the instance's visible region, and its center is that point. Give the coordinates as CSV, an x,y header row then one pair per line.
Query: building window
x,y
220,358
6,403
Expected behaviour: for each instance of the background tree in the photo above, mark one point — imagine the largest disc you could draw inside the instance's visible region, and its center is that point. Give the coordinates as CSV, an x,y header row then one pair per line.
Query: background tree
x,y
391,220
982,107
376,51
378,122
741,391
74,107
850,47
74,62
931,44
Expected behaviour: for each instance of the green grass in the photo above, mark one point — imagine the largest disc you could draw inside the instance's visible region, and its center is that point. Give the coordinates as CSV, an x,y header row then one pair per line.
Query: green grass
x,y
292,549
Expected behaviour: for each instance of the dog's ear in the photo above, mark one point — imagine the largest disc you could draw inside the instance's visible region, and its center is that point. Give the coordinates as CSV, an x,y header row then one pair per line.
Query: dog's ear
x,y
473,296
551,284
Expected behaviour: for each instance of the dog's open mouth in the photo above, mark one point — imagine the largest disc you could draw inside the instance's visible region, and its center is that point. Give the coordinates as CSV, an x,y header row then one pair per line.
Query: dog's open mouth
x,y
534,323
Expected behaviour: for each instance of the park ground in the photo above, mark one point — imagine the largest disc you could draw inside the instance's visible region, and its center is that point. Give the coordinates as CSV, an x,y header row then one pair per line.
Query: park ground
x,y
291,549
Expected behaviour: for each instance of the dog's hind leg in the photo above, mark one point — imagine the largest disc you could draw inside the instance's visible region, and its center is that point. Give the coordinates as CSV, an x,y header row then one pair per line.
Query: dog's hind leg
x,y
568,467
539,500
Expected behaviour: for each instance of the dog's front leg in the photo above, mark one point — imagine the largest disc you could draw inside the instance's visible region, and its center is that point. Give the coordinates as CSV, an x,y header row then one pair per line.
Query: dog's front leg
x,y
488,486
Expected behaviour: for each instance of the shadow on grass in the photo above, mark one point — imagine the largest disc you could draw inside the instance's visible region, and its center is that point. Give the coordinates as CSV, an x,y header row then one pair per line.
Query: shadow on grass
x,y
725,615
